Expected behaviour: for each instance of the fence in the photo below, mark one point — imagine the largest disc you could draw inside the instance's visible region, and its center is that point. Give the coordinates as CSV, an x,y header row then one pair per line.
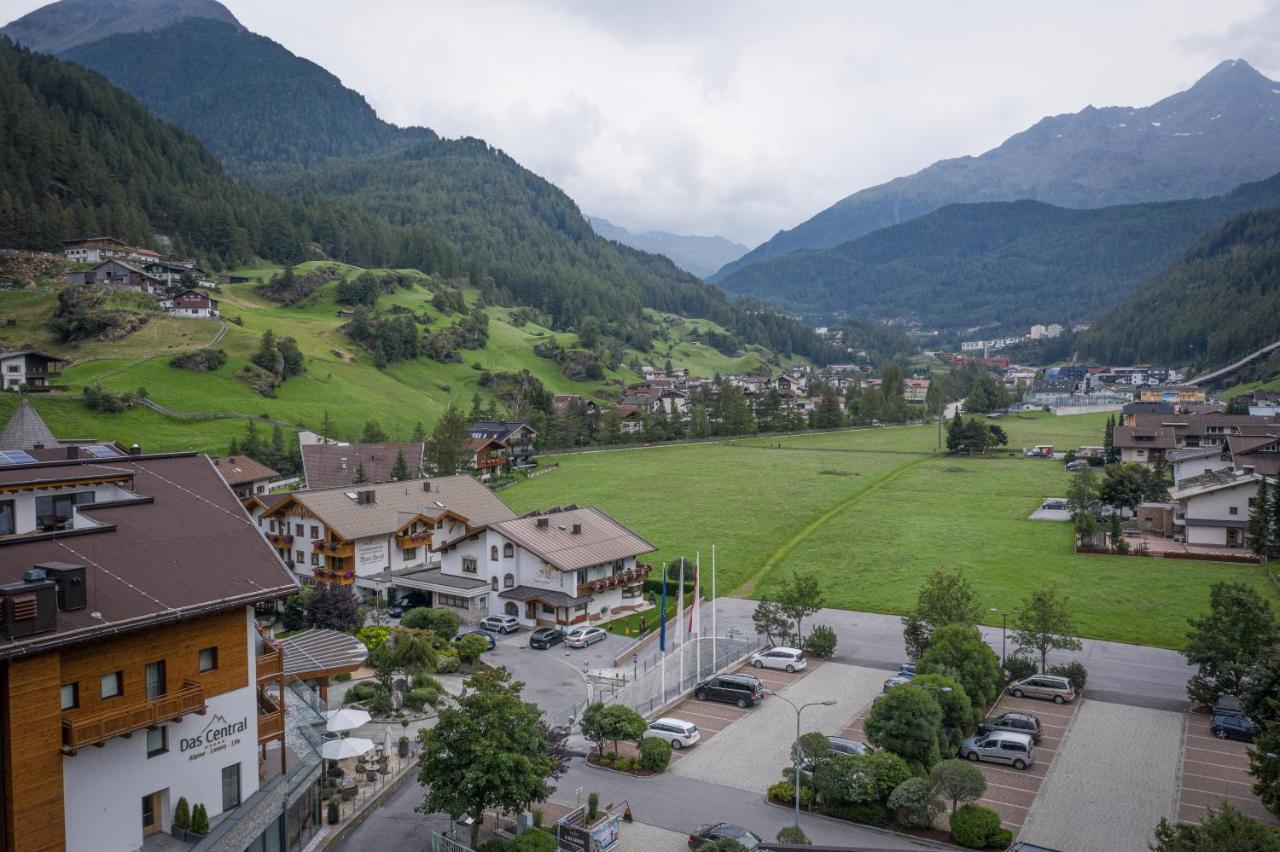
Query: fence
x,y
682,669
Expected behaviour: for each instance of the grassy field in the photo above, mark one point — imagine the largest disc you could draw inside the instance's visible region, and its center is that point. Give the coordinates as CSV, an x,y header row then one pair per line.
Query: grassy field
x,y
874,512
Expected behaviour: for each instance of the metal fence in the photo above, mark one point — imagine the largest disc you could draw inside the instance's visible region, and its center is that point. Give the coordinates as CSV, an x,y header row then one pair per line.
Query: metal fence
x,y
680,670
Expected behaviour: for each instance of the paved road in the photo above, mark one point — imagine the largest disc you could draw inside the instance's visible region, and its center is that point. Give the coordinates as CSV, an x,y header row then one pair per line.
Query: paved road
x,y
551,678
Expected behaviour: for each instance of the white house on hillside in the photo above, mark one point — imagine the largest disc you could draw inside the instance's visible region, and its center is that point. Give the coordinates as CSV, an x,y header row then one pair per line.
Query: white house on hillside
x,y
1213,508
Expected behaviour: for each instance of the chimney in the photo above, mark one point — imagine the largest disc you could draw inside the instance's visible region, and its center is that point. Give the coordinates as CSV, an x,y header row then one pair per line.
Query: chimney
x,y
426,485
367,497
344,463
37,446
541,523
135,450
69,580
73,453
577,529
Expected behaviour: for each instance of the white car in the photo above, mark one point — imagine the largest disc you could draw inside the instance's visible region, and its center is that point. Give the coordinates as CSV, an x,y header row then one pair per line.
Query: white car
x,y
501,623
779,658
581,637
677,732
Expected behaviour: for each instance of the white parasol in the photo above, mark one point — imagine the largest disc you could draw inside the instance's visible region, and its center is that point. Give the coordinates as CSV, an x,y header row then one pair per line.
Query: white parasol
x,y
345,719
343,748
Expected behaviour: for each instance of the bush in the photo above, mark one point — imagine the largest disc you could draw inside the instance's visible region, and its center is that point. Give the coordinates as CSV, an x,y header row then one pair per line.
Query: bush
x,y
1073,671
914,804
492,846
531,841
1017,667
1002,839
182,814
448,662
416,699
792,834
360,691
470,647
655,754
974,827
593,805
380,704
623,763
423,680
867,813
821,641
374,636
442,622
784,793
199,820
342,677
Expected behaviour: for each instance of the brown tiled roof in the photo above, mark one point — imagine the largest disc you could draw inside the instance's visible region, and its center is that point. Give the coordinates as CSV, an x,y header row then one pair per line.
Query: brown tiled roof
x,y
602,539
475,444
1156,437
238,470
189,550
323,464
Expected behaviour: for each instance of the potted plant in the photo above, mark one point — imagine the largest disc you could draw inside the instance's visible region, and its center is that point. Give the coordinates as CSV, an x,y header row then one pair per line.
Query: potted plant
x,y
332,812
181,819
199,822
404,746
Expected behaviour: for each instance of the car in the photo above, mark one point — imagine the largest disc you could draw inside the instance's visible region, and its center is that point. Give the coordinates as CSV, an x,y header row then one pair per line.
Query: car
x,y
488,637
677,732
545,637
396,609
581,637
906,669
711,833
848,745
739,689
896,680
1049,687
1018,723
779,658
1234,728
500,623
1000,747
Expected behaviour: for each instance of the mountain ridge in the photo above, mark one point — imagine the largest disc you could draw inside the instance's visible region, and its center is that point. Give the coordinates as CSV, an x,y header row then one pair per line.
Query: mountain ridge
x,y
61,26
695,254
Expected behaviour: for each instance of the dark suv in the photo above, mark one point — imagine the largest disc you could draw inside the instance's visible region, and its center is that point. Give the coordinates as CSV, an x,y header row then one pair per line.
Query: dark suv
x,y
740,689
545,637
1019,723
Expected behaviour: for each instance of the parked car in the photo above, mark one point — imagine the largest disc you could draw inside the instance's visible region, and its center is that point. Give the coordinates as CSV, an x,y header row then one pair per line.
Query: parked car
x,y
1018,723
1234,728
489,637
677,732
1049,687
581,637
396,609
500,623
848,745
779,658
545,637
906,669
1058,505
897,680
1000,747
711,833
1077,465
742,690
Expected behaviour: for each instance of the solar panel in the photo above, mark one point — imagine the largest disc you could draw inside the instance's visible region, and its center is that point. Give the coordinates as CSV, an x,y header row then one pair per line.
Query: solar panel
x,y
102,451
16,457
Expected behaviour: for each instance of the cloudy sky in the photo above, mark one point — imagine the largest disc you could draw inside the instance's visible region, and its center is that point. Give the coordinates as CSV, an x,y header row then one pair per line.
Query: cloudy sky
x,y
742,117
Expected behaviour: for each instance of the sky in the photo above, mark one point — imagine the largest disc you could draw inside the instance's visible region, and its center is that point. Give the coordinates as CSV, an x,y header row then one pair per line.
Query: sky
x,y
743,117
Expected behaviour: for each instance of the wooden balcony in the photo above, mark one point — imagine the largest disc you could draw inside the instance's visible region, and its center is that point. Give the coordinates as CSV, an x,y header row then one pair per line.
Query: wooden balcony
x,y
99,727
280,539
341,576
408,541
270,718
270,665
334,548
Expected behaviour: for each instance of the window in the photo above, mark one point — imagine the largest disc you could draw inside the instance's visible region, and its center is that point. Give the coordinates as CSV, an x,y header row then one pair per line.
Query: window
x,y
55,513
208,659
493,553
1233,510
548,609
315,558
315,531
112,684
410,553
230,786
493,583
469,565
301,557
582,576
298,530
272,525
157,741
7,526
155,680
508,581
83,498
451,600
70,696
508,550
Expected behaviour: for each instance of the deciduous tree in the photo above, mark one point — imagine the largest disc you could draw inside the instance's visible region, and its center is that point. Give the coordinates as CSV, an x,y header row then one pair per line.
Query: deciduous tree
x,y
959,781
799,598
906,722
958,651
1225,642
1045,624
1225,830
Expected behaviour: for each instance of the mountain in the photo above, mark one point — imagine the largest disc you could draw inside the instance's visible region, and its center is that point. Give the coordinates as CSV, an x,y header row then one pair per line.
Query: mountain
x,y
698,255
1217,303
1222,132
1012,263
62,26
67,138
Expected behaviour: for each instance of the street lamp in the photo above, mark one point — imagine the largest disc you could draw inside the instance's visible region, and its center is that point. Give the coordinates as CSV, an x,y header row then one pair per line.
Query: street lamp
x,y
1004,629
795,780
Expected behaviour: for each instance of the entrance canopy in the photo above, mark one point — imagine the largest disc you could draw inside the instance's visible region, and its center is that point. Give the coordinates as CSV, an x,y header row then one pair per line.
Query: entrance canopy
x,y
321,653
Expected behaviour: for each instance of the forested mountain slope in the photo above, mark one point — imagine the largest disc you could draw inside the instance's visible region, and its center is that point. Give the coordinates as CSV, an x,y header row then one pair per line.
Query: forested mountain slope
x,y
1216,304
1007,263
1220,133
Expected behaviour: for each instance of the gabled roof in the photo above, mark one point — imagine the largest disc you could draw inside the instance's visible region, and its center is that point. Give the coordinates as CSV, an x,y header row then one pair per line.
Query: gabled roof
x,y
28,349
239,470
1155,437
600,539
1207,483
1192,453
477,444
333,465
25,430
500,429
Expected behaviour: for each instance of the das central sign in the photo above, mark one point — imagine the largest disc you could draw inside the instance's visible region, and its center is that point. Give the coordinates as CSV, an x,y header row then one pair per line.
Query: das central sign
x,y
218,735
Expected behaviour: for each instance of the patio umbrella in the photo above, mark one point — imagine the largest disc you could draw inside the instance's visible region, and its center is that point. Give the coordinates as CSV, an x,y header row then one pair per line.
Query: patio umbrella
x,y
346,719
343,748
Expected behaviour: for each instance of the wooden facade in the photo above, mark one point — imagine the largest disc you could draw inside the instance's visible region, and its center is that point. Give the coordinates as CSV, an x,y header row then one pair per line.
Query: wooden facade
x,y
32,733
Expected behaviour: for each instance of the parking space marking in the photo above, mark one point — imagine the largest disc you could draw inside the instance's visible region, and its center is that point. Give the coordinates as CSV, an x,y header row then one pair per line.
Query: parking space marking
x,y
1215,771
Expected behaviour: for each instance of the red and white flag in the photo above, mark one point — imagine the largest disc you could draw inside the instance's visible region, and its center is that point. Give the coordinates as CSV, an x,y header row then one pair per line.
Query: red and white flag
x,y
695,611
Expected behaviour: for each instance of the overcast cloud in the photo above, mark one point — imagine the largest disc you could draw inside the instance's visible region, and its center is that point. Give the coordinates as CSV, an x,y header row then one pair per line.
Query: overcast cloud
x,y
744,117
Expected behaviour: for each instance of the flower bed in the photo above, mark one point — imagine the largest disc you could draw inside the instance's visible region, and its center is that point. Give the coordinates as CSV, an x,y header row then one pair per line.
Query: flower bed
x,y
624,763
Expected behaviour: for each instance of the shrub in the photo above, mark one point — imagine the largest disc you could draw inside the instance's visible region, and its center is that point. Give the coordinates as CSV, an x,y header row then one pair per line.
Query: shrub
x,y
1002,839
374,636
416,699
784,792
1073,671
1017,667
593,805
792,834
199,820
655,754
860,778
470,647
342,677
442,622
447,662
380,703
623,763
974,827
423,680
361,690
182,814
868,813
821,641
492,846
913,803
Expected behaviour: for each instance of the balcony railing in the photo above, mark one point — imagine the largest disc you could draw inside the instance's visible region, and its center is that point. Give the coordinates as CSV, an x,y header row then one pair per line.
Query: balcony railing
x,y
105,724
613,581
270,718
408,541
270,665
280,539
342,576
334,548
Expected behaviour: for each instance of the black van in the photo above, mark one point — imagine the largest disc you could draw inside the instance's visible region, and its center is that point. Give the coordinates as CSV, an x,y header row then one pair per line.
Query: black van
x,y
740,689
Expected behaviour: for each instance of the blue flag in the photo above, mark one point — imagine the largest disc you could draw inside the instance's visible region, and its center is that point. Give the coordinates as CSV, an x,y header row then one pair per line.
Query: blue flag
x,y
662,614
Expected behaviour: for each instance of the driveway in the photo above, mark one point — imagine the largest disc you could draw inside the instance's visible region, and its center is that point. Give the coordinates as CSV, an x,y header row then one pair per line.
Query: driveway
x,y
550,678
1114,778
750,752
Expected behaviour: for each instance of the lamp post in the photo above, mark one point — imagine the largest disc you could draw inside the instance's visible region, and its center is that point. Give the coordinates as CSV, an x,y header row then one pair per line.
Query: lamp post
x,y
795,780
1004,629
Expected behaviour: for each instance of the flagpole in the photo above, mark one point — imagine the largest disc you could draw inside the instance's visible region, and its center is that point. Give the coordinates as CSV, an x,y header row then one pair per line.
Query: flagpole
x,y
680,620
662,635
713,606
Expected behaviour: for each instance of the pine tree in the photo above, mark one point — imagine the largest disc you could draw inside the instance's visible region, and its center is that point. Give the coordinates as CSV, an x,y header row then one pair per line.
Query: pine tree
x,y
447,450
1108,440
1275,519
1260,533
419,432
326,427
361,476
400,470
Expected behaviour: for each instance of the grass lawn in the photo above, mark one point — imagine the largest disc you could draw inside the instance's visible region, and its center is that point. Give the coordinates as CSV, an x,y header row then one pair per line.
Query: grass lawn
x,y
873,514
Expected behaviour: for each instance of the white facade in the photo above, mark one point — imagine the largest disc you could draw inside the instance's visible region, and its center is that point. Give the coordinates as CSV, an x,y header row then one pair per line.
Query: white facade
x,y
1217,518
62,504
1199,466
103,787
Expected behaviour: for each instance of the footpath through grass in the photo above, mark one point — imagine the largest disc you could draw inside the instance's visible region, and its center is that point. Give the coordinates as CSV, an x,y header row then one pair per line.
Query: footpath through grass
x,y
873,514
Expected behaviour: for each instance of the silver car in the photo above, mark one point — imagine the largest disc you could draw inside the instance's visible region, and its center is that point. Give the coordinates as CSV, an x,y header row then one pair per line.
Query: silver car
x,y
1000,747
1049,687
790,659
677,732
581,637
501,623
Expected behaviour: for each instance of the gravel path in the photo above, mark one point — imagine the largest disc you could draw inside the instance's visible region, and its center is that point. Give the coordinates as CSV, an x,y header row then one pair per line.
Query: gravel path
x,y
1114,778
750,753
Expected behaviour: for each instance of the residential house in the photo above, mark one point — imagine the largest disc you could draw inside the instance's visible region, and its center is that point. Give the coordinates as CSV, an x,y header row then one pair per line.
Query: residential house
x,y
517,437
915,390
489,457
789,385
1212,509
120,275
337,465
133,672
30,369
95,249
1173,394
1129,414
1145,445
564,567
192,304
1257,453
632,419
1196,461
244,475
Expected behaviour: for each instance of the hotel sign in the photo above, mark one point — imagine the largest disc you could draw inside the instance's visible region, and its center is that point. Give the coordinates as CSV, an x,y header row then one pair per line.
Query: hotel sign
x,y
218,735
371,553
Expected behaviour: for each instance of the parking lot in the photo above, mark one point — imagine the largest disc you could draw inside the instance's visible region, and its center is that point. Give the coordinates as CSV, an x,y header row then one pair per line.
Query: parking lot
x,y
1214,771
595,657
